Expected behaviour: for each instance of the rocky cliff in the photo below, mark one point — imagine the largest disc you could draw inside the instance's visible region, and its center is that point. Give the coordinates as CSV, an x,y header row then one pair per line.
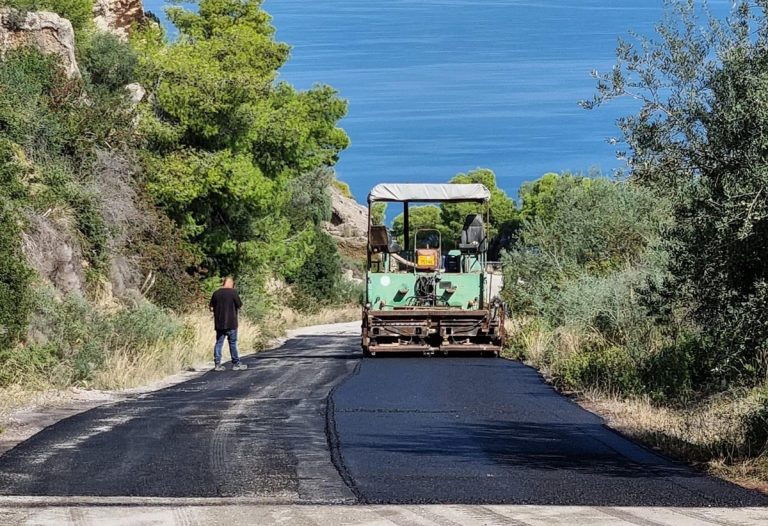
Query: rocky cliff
x,y
348,224
47,32
117,16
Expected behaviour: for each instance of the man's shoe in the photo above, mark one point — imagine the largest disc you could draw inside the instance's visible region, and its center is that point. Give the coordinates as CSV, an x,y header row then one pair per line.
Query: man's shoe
x,y
239,367
219,367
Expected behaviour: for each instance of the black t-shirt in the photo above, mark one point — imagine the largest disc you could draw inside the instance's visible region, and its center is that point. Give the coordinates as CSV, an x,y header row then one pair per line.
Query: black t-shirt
x,y
225,303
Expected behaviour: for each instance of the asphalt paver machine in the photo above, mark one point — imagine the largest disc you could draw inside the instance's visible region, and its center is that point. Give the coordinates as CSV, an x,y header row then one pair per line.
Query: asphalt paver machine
x,y
431,294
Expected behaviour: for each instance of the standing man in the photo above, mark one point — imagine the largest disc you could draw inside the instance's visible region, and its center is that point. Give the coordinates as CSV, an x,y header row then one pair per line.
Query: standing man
x,y
225,303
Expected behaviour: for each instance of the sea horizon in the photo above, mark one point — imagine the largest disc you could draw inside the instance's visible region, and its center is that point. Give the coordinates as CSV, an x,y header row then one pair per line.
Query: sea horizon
x,y
440,87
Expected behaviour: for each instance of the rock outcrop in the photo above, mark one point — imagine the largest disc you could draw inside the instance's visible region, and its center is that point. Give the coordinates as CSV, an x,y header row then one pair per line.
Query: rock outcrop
x,y
117,16
47,32
136,92
53,250
348,224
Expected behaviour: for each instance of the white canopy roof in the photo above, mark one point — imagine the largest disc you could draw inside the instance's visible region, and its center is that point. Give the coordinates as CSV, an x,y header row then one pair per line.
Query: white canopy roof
x,y
429,192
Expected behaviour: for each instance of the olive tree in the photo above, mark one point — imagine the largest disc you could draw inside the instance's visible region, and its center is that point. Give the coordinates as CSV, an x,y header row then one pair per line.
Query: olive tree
x,y
700,139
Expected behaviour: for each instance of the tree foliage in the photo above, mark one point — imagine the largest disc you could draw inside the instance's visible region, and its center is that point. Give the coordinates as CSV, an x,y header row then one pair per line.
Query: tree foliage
x,y
582,227
420,217
539,198
699,139
503,214
237,159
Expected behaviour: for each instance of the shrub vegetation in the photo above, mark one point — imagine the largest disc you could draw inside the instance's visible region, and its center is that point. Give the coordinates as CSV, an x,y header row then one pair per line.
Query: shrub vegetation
x,y
228,173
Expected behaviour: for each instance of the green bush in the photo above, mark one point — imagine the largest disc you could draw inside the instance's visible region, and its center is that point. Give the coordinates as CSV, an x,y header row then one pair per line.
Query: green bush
x,y
142,325
90,224
700,143
668,375
607,369
59,328
26,78
65,322
46,113
756,427
587,259
349,292
71,340
317,281
15,275
258,304
86,361
26,364
519,340
169,258
11,170
108,61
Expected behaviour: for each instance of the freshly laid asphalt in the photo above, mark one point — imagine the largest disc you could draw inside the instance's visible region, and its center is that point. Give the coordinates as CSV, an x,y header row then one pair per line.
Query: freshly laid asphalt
x,y
315,422
484,430
254,433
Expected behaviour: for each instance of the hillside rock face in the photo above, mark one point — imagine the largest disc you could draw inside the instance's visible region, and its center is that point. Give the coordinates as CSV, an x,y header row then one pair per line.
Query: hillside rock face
x,y
348,224
47,32
117,16
52,249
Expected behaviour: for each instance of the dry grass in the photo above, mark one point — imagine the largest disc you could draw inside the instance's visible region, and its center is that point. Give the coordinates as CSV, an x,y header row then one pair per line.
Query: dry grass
x,y
130,367
710,435
540,346
136,367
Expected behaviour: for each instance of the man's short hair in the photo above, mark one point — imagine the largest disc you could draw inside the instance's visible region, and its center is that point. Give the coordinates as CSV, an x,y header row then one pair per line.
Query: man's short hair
x,y
228,279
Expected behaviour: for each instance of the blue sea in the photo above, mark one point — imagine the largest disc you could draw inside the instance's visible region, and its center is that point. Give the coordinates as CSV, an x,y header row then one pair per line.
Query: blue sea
x,y
438,87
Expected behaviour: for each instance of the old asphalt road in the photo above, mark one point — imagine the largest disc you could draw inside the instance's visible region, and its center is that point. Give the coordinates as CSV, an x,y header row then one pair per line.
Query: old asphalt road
x,y
312,427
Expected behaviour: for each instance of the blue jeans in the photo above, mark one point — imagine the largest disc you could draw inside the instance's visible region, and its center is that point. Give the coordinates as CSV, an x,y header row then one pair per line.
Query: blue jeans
x,y
231,335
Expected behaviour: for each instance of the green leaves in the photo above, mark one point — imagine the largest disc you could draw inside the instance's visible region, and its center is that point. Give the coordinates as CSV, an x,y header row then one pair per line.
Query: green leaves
x,y
240,162
699,140
15,274
108,62
578,227
213,81
503,221
419,217
378,213
78,12
214,198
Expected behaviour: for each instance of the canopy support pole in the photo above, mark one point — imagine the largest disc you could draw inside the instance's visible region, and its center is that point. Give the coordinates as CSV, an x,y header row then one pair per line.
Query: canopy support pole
x,y
406,228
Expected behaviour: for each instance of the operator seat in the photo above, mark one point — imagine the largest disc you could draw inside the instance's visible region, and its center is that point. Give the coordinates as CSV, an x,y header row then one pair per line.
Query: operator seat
x,y
473,239
381,241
